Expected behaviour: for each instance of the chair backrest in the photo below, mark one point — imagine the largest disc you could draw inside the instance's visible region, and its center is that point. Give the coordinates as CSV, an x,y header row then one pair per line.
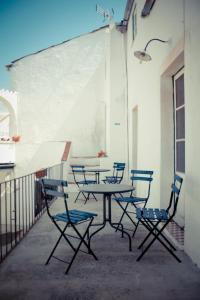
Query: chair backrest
x,y
175,192
144,176
118,171
78,171
53,188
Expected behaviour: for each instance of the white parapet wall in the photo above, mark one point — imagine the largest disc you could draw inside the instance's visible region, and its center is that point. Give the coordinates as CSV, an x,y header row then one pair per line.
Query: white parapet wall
x,y
8,111
62,94
7,152
73,91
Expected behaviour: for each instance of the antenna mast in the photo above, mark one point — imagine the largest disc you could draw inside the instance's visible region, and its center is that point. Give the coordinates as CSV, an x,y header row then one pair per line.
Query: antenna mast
x,y
106,13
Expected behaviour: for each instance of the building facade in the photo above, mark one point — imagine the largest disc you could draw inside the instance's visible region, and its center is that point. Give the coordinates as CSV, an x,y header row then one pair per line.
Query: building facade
x,y
94,91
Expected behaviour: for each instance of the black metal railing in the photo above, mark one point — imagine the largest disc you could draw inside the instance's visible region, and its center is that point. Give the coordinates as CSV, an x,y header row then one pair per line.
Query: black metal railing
x,y
21,205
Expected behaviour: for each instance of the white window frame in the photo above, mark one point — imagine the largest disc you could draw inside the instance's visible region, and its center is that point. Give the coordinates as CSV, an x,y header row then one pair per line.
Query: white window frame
x,y
176,76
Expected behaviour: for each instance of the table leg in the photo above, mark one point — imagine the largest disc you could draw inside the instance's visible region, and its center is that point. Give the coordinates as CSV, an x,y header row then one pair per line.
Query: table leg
x,y
118,224
97,177
108,218
99,224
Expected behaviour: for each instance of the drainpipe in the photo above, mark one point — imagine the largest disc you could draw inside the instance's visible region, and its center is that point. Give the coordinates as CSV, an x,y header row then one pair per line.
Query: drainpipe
x,y
122,27
127,111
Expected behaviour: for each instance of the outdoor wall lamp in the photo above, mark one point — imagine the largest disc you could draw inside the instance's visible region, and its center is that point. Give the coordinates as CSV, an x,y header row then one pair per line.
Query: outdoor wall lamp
x,y
142,55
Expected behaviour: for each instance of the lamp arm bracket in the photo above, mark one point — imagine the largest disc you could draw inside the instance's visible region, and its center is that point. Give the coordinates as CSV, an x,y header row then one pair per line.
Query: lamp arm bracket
x,y
158,40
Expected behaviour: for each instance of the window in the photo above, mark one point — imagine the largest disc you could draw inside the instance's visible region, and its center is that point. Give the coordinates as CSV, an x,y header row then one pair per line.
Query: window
x,y
179,109
134,22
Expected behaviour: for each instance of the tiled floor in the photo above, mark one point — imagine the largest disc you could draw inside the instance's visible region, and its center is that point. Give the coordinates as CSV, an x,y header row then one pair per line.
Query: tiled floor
x,y
177,232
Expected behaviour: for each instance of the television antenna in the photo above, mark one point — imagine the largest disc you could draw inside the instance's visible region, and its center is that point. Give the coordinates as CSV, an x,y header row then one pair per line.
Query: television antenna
x,y
106,13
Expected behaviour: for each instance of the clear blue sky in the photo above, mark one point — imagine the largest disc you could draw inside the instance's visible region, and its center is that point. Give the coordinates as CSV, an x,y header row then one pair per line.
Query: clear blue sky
x,y
27,26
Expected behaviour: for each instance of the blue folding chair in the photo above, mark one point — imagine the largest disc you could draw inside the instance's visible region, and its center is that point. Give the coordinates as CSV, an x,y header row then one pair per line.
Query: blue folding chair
x,y
156,220
80,179
70,218
137,176
118,173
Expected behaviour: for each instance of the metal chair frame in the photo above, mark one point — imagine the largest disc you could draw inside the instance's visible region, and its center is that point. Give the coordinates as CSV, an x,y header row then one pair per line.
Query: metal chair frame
x,y
136,176
118,174
155,220
78,170
71,218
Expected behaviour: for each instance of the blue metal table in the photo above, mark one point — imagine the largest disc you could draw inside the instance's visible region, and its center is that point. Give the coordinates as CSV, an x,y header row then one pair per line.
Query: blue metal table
x,y
107,190
97,172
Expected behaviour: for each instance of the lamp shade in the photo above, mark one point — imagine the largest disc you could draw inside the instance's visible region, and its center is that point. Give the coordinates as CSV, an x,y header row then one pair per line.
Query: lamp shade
x,y
142,55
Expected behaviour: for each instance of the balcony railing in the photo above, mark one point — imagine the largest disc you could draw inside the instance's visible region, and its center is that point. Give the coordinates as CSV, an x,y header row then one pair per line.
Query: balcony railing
x,y
21,205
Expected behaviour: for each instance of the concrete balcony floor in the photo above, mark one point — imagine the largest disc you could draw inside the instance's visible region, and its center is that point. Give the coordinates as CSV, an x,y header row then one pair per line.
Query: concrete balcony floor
x,y
116,275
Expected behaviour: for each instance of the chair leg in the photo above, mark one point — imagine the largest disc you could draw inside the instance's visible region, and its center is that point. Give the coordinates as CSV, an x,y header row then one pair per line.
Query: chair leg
x,y
156,237
151,231
83,196
82,240
87,197
61,235
124,213
94,197
77,197
136,227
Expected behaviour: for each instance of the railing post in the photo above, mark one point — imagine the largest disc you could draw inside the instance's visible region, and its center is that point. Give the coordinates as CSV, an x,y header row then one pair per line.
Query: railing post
x,y
61,170
0,228
15,209
18,206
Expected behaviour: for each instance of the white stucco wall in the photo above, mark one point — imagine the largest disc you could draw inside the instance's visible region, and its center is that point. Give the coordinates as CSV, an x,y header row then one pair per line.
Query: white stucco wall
x,y
150,89
74,91
192,90
62,97
144,82
8,128
116,95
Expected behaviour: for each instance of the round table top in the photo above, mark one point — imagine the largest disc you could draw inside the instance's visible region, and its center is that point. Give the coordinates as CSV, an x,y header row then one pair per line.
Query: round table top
x,y
106,188
96,170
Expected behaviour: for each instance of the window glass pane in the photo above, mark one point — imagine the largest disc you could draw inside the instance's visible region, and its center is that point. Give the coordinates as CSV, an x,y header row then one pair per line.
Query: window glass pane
x,y
180,123
180,157
180,91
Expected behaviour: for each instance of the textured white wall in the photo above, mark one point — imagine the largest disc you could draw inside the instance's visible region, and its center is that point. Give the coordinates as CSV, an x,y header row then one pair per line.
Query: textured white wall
x,y
62,97
8,102
144,81
192,91
116,95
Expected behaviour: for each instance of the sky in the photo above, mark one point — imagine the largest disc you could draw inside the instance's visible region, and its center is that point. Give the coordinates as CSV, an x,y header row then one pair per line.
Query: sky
x,y
27,26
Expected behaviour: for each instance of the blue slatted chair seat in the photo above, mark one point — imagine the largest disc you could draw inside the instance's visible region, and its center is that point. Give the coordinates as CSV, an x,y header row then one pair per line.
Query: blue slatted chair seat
x,y
75,216
152,214
130,199
86,182
112,179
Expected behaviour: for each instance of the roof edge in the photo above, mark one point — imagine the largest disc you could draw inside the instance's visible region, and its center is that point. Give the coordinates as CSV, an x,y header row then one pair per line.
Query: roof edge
x,y
128,9
9,66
